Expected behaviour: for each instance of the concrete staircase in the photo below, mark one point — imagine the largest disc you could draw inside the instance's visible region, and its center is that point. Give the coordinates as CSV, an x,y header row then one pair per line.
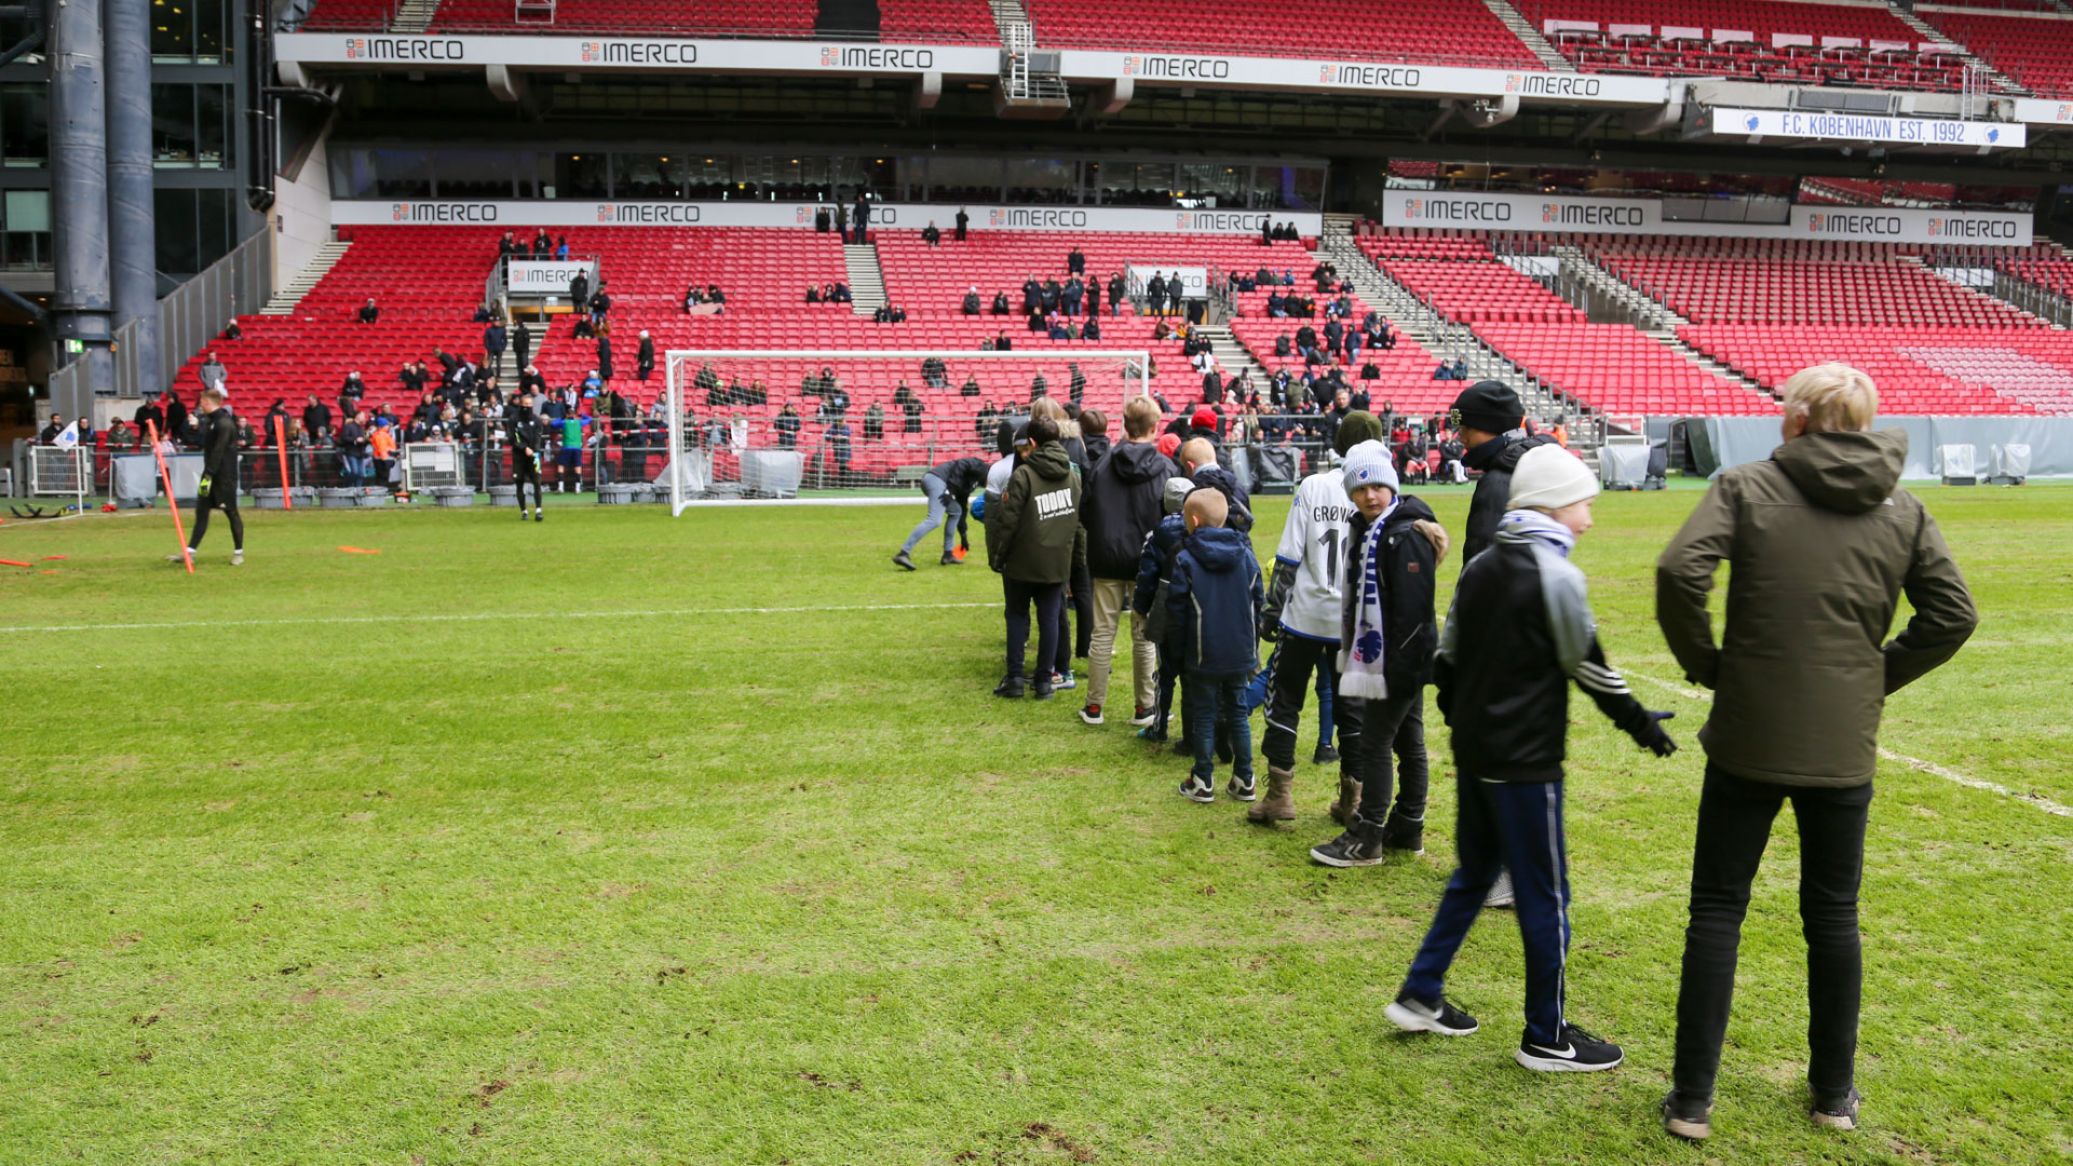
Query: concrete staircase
x,y
866,277
415,16
1530,35
1232,358
1644,310
1671,341
1438,335
290,294
2002,82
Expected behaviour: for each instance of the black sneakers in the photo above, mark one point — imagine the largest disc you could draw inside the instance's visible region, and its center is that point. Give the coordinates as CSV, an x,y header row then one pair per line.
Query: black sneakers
x,y
903,561
1010,687
1242,789
1042,690
1836,1113
1690,1120
1576,1052
1358,846
1325,753
952,561
1414,1015
1405,836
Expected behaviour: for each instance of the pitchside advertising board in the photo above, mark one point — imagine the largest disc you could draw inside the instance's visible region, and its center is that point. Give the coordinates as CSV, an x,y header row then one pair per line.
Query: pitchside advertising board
x,y
900,216
1466,211
534,277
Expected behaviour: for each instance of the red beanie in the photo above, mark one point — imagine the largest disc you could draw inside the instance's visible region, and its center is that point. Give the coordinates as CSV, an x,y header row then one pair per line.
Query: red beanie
x,y
1204,418
1169,444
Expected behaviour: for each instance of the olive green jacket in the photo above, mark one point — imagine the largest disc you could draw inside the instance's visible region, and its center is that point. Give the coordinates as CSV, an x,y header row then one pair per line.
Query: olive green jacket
x,y
1821,543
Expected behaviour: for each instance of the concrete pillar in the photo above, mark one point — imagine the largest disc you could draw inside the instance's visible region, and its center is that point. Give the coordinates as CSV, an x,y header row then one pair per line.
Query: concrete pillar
x,y
132,235
82,307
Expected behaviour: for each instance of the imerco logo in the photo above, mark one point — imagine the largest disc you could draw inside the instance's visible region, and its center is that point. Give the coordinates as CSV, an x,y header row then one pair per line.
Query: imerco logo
x,y
640,52
878,57
443,212
648,213
1459,210
1206,222
1973,228
1584,214
1178,68
1038,218
1373,76
404,48
1552,85
1834,223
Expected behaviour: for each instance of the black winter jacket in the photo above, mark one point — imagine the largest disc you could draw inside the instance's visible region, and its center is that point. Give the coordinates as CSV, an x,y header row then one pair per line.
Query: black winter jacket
x,y
1520,629
1409,565
1123,501
1220,480
1496,459
961,476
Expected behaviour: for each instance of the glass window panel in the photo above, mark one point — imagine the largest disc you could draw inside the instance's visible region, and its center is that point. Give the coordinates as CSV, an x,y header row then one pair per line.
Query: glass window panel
x,y
172,125
402,174
212,129
177,237
28,210
25,124
580,175
211,36
172,30
215,211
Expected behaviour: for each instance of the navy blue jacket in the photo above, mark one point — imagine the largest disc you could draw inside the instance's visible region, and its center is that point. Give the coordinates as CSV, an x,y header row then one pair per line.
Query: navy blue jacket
x,y
1155,562
1213,603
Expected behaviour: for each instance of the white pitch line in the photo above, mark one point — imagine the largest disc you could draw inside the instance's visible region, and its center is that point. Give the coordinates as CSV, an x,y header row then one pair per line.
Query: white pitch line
x,y
488,616
1928,767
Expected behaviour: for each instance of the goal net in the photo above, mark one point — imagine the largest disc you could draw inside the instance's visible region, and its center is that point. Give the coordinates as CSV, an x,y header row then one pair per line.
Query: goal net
x,y
775,423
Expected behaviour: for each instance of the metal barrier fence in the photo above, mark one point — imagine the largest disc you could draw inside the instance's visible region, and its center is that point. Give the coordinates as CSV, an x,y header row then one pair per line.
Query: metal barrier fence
x,y
188,320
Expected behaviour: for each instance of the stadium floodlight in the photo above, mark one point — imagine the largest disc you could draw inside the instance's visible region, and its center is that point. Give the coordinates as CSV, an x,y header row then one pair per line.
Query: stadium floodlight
x,y
722,407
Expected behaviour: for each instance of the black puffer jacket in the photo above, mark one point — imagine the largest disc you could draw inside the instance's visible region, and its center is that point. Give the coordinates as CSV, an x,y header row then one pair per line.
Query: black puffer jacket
x,y
1409,564
1123,501
1220,480
1495,459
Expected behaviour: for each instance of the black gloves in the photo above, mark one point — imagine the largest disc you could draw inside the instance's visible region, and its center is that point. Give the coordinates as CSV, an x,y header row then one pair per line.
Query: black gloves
x,y
1270,628
1648,733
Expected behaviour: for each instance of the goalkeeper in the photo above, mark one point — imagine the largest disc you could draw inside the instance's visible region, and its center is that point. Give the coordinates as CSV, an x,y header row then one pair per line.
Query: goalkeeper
x,y
219,485
524,426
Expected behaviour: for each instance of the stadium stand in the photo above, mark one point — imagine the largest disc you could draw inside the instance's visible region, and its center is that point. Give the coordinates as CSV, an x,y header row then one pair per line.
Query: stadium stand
x,y
1441,32
1620,371
1928,371
1473,292
1720,281
934,280
2045,264
2035,50
1765,40
358,15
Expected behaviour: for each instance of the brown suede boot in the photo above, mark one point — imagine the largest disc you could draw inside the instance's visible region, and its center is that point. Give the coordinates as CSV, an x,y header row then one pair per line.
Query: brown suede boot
x,y
1348,805
1280,803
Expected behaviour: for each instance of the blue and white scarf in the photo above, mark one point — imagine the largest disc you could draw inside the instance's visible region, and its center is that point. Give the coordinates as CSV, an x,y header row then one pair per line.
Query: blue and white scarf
x,y
1362,665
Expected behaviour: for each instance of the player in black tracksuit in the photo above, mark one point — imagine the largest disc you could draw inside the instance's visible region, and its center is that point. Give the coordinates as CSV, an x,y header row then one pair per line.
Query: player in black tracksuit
x,y
946,487
219,484
524,427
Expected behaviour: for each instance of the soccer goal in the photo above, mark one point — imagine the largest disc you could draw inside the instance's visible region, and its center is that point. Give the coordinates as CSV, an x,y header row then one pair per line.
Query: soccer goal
x,y
773,423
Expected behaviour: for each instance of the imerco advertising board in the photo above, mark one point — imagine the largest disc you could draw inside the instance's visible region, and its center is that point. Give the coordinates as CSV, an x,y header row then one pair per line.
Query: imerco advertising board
x,y
899,216
546,277
1472,211
1361,76
609,53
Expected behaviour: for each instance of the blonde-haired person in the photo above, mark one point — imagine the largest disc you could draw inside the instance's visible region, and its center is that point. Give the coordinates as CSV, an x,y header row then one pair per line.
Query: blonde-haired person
x,y
1821,541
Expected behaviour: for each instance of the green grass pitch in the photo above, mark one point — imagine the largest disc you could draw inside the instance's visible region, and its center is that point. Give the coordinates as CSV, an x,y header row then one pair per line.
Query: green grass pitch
x,y
618,839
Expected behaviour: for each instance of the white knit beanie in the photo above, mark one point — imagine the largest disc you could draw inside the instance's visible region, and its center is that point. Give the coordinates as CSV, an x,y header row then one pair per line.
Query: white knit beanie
x,y
1369,464
1550,477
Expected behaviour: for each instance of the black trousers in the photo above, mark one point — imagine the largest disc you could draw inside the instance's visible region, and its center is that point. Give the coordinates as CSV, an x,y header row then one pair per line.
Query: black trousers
x,y
523,471
229,507
1735,817
1391,727
1050,607
1294,662
1082,604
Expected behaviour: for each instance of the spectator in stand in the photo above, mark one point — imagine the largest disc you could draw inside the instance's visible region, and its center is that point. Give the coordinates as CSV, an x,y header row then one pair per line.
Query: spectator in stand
x,y
913,409
874,422
494,340
522,344
568,478
232,330
644,357
839,446
1001,343
52,429
1093,299
603,371
1155,294
1117,289
120,437
787,426
987,423
840,293
971,302
508,247
352,450
963,224
212,372
543,244
1032,296
862,217
585,328
369,314
1076,261
579,292
1000,303
561,249
601,303
930,235
381,446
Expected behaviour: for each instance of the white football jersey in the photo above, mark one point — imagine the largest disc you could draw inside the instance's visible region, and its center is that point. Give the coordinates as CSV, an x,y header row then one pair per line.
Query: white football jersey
x,y
1314,541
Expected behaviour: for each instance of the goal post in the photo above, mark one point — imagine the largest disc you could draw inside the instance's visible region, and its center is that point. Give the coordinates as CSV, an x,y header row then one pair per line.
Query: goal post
x,y
776,422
